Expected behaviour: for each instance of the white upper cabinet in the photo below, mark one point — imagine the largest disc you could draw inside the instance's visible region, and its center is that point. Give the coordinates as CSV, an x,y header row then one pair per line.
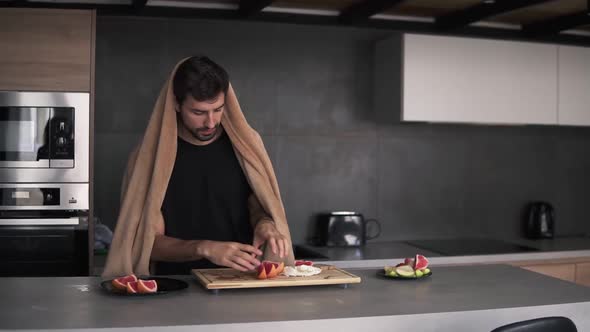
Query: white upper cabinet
x,y
452,79
574,86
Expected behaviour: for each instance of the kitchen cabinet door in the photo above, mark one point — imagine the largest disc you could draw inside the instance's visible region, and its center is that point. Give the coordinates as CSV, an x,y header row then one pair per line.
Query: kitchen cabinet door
x,y
561,271
45,50
574,86
452,79
583,274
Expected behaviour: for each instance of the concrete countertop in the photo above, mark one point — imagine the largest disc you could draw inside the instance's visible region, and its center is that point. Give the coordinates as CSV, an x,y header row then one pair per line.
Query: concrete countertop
x,y
372,250
464,260
453,298
375,254
556,244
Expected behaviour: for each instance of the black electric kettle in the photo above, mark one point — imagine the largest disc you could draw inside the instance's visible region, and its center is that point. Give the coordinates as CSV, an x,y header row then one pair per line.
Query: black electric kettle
x,y
344,229
540,221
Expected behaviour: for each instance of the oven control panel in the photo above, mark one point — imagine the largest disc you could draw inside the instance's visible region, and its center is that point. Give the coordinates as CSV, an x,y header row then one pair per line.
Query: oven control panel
x,y
70,196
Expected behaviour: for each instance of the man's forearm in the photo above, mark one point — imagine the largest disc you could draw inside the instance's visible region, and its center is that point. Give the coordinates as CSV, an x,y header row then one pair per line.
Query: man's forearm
x,y
169,249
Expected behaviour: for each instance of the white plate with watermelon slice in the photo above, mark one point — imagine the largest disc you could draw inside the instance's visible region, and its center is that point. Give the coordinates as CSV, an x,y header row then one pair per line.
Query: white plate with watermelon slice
x,y
411,268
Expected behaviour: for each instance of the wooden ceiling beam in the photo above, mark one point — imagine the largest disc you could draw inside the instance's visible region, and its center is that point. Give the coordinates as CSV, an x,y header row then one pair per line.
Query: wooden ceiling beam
x,y
365,9
480,11
542,29
66,5
557,24
250,8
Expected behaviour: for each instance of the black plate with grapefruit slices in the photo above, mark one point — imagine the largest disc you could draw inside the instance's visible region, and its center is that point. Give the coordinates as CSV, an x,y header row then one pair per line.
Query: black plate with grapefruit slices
x,y
165,285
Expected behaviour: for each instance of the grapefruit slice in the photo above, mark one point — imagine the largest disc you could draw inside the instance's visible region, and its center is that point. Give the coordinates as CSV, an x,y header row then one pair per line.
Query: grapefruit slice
x,y
121,283
303,262
409,261
147,286
420,262
269,269
275,269
262,271
132,287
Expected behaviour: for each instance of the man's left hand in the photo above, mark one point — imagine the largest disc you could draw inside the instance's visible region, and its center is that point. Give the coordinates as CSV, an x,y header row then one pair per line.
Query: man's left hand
x,y
266,231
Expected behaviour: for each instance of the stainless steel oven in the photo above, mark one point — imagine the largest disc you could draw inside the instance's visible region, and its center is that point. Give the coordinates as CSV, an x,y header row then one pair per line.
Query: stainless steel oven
x,y
44,137
43,229
44,183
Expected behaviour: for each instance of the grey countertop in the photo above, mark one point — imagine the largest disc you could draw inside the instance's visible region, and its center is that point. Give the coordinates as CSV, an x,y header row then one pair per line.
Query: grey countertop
x,y
557,244
372,250
375,254
400,249
472,292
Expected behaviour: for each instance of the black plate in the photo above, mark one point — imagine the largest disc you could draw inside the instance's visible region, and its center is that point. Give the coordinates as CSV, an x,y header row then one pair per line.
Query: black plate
x,y
165,285
381,273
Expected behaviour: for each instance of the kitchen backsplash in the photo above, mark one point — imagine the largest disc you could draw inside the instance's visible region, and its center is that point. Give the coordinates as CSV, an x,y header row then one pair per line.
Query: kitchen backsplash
x,y
309,91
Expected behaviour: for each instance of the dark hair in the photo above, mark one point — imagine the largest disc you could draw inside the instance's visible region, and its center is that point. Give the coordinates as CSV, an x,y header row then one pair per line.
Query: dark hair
x,y
201,77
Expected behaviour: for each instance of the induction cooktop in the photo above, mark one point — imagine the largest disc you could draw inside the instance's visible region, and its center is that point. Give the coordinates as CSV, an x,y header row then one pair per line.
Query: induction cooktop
x,y
470,246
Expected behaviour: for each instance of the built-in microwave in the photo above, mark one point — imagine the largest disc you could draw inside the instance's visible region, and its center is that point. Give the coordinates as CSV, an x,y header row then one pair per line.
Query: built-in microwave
x,y
44,137
44,183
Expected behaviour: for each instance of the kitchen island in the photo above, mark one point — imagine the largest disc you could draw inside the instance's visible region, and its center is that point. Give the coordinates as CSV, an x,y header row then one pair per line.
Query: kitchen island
x,y
454,298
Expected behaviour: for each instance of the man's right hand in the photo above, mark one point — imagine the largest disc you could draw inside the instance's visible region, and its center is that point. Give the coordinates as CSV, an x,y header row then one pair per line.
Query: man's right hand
x,y
231,254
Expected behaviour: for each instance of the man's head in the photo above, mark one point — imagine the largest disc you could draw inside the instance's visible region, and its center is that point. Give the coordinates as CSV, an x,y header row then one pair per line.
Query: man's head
x,y
200,86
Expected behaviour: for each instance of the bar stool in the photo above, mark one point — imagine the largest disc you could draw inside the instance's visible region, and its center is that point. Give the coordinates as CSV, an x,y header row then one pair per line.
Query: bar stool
x,y
544,324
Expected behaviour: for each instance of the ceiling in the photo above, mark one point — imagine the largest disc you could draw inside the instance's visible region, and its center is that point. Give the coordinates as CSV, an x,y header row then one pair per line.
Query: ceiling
x,y
559,20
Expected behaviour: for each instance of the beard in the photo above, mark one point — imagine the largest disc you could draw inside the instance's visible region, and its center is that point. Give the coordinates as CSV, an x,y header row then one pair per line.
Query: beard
x,y
203,135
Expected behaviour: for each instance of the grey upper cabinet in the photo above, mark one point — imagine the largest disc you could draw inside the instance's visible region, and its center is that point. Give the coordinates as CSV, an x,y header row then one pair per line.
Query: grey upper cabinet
x,y
574,86
468,80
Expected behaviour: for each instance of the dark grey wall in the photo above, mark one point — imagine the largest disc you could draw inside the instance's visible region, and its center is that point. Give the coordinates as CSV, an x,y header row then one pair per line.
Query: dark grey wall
x,y
309,91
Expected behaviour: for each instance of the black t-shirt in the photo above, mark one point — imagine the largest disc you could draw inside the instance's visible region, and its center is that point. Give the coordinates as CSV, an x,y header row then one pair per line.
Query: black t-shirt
x,y
206,199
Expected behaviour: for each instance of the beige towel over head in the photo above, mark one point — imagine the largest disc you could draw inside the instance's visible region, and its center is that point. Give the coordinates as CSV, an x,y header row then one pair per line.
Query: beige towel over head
x,y
149,170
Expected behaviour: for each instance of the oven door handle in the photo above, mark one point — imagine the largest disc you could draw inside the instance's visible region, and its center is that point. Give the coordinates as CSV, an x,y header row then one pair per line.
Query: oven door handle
x,y
40,222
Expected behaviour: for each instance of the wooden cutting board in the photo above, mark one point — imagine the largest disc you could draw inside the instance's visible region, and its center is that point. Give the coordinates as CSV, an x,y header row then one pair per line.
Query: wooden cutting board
x,y
230,278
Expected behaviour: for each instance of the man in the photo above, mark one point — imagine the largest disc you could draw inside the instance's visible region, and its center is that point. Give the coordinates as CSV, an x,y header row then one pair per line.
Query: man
x,y
206,204
200,190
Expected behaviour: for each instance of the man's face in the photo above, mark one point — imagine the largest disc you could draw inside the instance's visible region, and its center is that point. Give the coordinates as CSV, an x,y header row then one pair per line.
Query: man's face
x,y
202,118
